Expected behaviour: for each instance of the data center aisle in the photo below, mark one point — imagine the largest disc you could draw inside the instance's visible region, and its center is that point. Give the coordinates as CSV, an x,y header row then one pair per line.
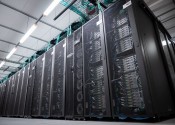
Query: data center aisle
x,y
22,121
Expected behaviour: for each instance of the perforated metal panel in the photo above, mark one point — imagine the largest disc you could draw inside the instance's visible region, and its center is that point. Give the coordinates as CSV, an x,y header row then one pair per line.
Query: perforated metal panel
x,y
29,96
45,103
19,90
24,90
95,83
16,102
58,85
9,96
37,86
124,77
13,94
78,75
69,78
3,88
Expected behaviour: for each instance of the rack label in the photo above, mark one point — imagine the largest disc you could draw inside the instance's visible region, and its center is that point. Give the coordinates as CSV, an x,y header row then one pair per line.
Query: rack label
x,y
127,4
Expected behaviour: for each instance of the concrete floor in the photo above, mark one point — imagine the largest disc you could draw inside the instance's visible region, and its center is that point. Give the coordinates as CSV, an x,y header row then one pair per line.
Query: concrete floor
x,y
22,121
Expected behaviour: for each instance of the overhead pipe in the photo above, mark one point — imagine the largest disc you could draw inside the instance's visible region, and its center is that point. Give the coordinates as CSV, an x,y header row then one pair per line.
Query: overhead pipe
x,y
65,9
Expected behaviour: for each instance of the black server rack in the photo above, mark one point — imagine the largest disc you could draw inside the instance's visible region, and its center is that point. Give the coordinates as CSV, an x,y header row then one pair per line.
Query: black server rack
x,y
6,97
18,94
78,75
3,87
69,100
14,91
138,83
96,92
46,87
12,96
9,96
1,101
36,101
31,79
15,111
24,91
58,84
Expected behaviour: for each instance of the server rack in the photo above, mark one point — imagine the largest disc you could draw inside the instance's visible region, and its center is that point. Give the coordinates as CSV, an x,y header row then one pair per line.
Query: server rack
x,y
78,75
9,96
1,94
31,79
23,91
15,111
47,80
18,94
58,85
96,90
138,82
12,96
6,97
3,88
36,99
69,104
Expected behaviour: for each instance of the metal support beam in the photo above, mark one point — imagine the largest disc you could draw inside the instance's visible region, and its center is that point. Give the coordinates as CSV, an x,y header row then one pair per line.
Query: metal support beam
x,y
166,12
29,15
168,19
10,61
162,6
18,45
8,70
171,28
14,54
22,33
11,66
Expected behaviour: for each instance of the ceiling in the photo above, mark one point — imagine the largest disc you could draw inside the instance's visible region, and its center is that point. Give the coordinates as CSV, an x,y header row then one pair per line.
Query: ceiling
x,y
17,16
165,12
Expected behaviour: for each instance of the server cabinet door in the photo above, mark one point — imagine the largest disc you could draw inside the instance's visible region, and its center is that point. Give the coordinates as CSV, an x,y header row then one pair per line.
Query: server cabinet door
x,y
5,108
29,96
12,97
9,96
69,107
58,85
4,97
127,92
14,93
78,75
1,98
18,96
47,79
24,91
36,102
15,110
97,102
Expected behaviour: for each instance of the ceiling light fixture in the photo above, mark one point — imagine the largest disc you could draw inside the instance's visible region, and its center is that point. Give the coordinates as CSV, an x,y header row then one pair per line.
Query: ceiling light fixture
x,y
11,53
29,32
2,63
51,7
